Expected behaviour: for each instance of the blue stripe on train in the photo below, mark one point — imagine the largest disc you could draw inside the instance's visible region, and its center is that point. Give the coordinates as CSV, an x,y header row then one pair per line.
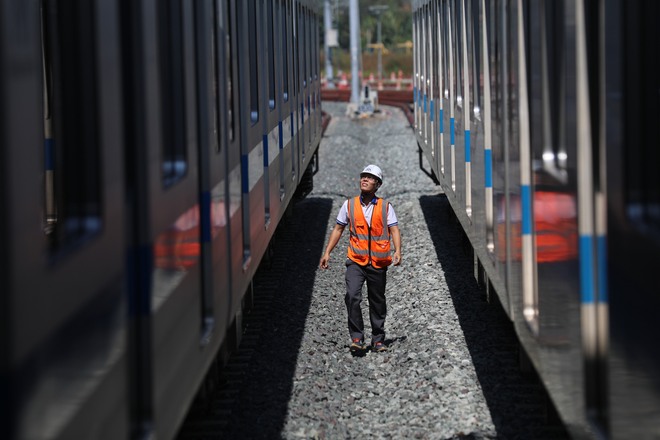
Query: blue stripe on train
x,y
586,269
451,130
526,202
467,146
488,159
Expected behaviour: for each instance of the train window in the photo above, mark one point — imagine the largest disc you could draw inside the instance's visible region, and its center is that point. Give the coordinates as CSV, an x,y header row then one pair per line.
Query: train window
x,y
229,69
173,100
458,57
415,68
426,36
432,67
318,49
299,51
435,76
299,37
450,42
312,42
72,156
554,155
285,52
536,66
304,41
215,65
434,48
319,68
315,48
294,45
476,59
270,21
304,45
642,107
422,59
422,55
253,60
445,52
308,55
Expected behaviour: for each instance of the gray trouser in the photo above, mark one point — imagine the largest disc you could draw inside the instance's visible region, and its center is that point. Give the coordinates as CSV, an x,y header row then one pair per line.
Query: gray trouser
x,y
356,275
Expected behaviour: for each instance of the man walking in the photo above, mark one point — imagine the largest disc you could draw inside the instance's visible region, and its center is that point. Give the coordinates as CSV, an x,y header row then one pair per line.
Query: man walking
x,y
372,222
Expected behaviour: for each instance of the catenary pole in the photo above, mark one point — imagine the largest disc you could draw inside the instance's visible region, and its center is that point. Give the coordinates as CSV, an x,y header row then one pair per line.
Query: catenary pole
x,y
354,21
327,16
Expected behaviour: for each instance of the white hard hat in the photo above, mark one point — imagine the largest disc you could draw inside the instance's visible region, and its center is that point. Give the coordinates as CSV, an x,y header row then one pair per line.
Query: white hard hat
x,y
374,170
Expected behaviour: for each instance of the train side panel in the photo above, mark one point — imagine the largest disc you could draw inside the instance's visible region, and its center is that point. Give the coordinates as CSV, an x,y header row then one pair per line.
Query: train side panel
x,y
489,186
170,140
561,225
64,357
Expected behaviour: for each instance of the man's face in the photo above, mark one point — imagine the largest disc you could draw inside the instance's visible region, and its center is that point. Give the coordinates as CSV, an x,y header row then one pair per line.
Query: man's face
x,y
368,183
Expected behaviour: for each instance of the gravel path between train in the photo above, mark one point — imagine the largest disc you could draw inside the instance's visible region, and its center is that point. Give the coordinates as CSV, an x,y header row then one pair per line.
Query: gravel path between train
x,y
451,370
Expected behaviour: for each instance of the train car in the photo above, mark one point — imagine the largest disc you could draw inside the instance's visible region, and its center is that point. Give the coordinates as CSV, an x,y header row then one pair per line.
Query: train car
x,y
539,121
149,151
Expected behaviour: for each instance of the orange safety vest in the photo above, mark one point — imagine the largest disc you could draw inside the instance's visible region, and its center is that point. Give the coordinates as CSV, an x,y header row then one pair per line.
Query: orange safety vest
x,y
369,244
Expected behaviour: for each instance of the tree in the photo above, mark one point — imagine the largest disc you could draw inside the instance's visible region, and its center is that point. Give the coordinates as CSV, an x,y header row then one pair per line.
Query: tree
x,y
396,22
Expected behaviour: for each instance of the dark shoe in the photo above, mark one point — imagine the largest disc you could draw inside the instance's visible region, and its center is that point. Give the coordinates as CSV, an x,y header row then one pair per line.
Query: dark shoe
x,y
379,347
357,345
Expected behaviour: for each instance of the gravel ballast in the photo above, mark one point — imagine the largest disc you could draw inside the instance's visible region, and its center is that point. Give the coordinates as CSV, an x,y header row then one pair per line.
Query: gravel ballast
x,y
451,369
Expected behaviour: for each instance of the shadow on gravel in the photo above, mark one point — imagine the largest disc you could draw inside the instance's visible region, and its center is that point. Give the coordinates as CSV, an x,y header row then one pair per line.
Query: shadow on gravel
x,y
517,402
282,297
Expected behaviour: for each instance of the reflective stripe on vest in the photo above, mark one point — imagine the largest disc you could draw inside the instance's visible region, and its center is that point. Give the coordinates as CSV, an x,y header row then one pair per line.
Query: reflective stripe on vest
x,y
369,244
